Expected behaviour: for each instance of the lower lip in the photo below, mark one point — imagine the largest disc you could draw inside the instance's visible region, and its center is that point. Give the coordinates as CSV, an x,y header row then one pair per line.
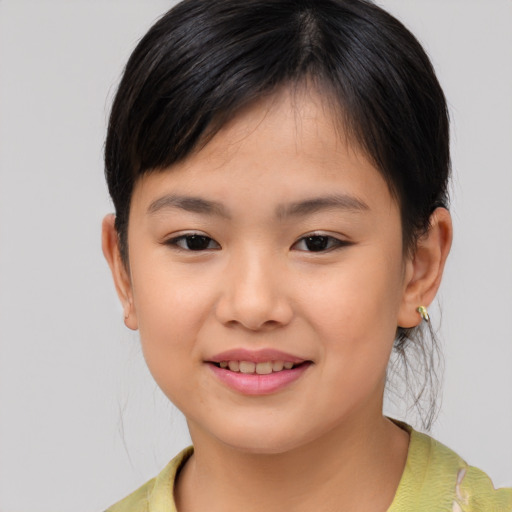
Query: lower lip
x,y
254,384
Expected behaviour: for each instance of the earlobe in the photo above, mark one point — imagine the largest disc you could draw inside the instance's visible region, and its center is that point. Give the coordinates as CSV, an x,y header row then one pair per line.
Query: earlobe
x,y
120,274
425,268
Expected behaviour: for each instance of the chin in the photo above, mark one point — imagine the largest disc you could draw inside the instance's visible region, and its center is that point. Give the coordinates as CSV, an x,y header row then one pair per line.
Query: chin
x,y
262,446
272,440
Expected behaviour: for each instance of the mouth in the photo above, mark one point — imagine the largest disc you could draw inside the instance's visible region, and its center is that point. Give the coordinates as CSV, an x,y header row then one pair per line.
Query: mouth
x,y
262,372
260,368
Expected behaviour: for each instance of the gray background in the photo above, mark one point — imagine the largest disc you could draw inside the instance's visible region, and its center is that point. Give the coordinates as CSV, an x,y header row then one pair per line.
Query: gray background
x,y
81,422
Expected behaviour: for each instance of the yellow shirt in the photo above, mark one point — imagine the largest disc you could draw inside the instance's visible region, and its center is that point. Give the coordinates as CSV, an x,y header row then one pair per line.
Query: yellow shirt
x,y
435,479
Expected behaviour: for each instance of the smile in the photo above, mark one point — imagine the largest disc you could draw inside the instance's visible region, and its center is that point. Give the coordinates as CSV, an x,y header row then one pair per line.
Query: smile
x,y
262,368
256,373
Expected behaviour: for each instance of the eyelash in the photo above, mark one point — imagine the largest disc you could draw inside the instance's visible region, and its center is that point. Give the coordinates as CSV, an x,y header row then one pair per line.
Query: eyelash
x,y
333,243
188,237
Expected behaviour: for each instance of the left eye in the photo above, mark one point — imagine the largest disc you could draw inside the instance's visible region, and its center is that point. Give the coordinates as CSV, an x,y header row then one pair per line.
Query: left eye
x,y
317,243
194,242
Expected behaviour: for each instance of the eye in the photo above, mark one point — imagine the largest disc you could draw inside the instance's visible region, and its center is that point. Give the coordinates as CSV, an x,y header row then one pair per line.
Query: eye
x,y
318,243
194,242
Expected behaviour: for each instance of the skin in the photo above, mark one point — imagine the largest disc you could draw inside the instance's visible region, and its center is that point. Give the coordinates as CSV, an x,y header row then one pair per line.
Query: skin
x,y
322,439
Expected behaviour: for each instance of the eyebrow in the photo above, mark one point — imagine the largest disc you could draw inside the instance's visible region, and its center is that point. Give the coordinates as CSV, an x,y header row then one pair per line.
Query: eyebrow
x,y
189,204
295,209
317,204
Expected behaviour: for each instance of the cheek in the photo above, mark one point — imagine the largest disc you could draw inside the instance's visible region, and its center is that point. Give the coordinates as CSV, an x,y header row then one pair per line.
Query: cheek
x,y
364,295
354,316
170,299
356,309
171,308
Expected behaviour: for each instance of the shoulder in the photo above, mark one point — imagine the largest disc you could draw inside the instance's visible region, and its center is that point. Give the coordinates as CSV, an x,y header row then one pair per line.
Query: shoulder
x,y
157,493
137,501
475,491
436,478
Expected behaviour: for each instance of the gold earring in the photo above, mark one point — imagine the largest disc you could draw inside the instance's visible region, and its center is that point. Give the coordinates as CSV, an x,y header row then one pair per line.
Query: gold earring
x,y
422,310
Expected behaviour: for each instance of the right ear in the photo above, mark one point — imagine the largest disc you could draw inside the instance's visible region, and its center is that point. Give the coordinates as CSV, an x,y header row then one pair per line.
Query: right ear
x,y
120,274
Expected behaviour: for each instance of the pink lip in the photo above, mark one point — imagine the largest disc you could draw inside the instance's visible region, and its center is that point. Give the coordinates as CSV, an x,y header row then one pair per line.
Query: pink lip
x,y
255,356
252,383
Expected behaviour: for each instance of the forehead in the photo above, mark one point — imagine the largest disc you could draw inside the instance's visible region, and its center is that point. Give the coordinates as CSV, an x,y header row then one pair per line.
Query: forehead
x,y
297,121
288,145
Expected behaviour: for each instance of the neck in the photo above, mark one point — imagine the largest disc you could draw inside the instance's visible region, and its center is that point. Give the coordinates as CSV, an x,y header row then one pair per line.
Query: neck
x,y
354,467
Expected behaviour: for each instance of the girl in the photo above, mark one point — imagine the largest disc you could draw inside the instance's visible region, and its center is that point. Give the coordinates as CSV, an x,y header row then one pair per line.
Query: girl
x,y
279,171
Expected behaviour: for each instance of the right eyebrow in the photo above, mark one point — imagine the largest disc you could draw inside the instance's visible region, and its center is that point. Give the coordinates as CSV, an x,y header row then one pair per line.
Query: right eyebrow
x,y
189,204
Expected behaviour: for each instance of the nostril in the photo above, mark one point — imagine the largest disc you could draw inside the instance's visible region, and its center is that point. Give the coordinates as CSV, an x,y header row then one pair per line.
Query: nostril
x,y
253,324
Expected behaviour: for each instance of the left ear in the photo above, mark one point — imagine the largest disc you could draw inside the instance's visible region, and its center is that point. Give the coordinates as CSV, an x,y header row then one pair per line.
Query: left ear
x,y
424,269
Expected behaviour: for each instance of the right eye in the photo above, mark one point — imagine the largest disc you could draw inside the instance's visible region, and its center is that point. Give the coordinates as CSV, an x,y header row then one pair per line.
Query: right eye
x,y
194,242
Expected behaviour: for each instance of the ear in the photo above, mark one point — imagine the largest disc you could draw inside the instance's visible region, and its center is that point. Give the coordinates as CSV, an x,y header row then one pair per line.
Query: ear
x,y
424,269
122,281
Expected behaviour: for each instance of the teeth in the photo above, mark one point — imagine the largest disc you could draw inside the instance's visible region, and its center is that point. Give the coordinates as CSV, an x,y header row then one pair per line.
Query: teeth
x,y
234,366
247,367
277,366
264,368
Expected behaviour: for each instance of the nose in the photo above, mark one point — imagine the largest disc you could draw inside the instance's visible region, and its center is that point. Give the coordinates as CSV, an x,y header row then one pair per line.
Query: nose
x,y
254,294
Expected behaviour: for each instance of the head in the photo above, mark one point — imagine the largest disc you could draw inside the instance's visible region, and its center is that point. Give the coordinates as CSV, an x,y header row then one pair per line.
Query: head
x,y
267,85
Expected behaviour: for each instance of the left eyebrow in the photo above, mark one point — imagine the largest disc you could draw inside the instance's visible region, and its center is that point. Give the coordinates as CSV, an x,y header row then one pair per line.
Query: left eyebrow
x,y
189,204
316,204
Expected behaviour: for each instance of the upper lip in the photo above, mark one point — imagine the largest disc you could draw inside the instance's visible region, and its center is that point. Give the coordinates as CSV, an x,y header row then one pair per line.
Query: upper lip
x,y
255,356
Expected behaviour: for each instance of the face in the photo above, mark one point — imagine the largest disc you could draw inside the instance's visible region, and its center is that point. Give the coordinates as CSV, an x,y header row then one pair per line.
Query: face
x,y
277,245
